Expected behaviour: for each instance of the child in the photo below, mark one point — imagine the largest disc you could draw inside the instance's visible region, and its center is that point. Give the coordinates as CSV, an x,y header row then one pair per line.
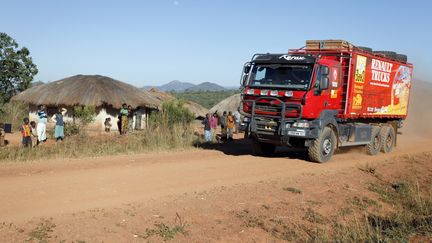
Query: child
x,y
34,134
25,130
107,124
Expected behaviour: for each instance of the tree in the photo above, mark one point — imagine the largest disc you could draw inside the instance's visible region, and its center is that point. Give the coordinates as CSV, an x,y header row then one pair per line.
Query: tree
x,y
16,68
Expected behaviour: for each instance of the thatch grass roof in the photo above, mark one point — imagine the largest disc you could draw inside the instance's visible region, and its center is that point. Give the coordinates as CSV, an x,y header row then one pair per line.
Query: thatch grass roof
x,y
88,90
231,103
198,110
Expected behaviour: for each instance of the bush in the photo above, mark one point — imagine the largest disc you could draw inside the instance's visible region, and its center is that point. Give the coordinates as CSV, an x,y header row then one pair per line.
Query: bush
x,y
84,115
172,114
13,112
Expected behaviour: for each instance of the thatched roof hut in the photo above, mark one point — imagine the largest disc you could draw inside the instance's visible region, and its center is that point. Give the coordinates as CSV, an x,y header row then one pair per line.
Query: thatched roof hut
x,y
198,110
87,90
105,94
231,103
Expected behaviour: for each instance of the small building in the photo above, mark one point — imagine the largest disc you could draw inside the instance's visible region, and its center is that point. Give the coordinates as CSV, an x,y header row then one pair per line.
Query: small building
x,y
105,94
231,103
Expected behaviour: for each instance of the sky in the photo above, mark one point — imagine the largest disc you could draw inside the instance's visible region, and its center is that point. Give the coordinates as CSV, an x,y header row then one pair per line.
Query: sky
x,y
153,42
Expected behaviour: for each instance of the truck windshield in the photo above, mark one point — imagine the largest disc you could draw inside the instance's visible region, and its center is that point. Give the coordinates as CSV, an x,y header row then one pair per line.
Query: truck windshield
x,y
281,76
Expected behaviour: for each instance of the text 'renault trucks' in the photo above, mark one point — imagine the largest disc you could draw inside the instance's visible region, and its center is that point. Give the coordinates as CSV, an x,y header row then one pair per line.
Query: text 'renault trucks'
x,y
326,95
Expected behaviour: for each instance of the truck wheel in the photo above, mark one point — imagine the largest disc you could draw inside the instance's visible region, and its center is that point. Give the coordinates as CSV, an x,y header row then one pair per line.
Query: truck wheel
x,y
322,148
374,146
263,149
387,139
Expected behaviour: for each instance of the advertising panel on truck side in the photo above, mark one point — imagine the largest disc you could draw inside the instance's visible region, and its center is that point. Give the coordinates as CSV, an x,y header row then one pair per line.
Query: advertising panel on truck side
x,y
379,87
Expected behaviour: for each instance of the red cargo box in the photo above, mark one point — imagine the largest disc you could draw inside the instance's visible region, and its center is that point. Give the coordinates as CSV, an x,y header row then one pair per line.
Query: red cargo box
x,y
378,87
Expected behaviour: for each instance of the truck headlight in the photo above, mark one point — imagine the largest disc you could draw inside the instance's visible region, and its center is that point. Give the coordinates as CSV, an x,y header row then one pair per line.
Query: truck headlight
x,y
301,124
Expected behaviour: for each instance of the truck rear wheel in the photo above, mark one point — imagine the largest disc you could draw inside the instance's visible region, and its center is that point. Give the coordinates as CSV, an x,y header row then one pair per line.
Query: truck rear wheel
x,y
322,148
263,149
374,146
388,136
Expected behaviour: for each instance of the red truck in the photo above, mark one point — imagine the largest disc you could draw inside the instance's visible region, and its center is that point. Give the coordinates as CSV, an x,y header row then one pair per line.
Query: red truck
x,y
326,95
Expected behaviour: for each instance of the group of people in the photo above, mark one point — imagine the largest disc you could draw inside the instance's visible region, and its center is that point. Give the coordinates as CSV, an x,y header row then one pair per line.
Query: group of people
x,y
229,123
34,133
125,120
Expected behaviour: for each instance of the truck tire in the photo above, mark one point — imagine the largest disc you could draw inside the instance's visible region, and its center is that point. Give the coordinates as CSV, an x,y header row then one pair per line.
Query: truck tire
x,y
322,148
374,146
388,136
263,149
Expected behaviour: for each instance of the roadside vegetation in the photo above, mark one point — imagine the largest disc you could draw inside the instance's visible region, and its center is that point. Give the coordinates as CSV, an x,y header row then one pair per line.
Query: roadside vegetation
x,y
205,98
170,129
399,209
13,112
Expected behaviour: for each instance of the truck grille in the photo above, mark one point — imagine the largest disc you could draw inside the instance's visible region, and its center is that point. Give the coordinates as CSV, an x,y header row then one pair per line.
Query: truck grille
x,y
266,109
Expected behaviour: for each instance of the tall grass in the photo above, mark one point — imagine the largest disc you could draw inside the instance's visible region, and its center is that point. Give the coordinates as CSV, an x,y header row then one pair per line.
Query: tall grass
x,y
169,129
156,139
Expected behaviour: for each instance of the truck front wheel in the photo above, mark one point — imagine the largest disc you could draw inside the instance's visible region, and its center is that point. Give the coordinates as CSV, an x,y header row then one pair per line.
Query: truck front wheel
x,y
322,148
374,146
263,149
388,136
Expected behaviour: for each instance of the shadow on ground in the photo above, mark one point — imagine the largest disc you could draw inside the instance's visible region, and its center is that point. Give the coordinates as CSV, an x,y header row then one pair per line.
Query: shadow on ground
x,y
242,146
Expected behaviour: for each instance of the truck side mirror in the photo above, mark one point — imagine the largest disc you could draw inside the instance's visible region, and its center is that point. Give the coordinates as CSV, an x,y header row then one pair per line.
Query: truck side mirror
x,y
244,79
325,70
246,68
324,83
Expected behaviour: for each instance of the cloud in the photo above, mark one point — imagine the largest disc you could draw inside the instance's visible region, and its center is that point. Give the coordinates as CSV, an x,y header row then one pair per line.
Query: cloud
x,y
176,3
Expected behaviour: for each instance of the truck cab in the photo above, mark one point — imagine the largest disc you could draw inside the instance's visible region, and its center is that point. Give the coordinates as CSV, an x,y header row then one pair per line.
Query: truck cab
x,y
284,95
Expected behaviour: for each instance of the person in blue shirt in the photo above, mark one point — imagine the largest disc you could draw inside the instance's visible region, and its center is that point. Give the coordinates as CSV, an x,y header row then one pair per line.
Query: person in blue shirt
x,y
59,124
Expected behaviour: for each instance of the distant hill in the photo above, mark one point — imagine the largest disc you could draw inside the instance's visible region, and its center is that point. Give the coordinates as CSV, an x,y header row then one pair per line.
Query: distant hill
x,y
178,86
207,86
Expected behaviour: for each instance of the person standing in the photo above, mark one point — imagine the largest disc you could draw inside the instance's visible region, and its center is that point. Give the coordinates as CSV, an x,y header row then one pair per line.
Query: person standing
x,y
130,118
25,130
237,118
213,125
124,119
223,123
207,129
41,126
59,124
34,133
107,124
230,126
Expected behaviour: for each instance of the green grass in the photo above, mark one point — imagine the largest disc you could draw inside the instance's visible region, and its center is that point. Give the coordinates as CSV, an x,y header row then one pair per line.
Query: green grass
x,y
165,231
42,232
205,98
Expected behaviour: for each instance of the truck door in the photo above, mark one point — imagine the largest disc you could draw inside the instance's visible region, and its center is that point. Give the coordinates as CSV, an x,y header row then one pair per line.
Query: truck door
x,y
326,93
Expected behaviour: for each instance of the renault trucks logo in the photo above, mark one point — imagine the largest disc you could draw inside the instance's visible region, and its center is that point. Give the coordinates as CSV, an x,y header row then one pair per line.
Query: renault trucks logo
x,y
292,58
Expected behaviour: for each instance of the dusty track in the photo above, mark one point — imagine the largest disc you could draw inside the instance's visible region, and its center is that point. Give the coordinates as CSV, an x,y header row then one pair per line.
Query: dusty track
x,y
52,188
62,189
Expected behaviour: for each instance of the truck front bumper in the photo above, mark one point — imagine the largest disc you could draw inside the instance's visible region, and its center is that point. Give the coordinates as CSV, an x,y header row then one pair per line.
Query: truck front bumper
x,y
282,132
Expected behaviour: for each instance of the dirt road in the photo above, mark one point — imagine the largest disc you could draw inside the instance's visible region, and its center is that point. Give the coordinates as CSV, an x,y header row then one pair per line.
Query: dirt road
x,y
156,182
51,188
